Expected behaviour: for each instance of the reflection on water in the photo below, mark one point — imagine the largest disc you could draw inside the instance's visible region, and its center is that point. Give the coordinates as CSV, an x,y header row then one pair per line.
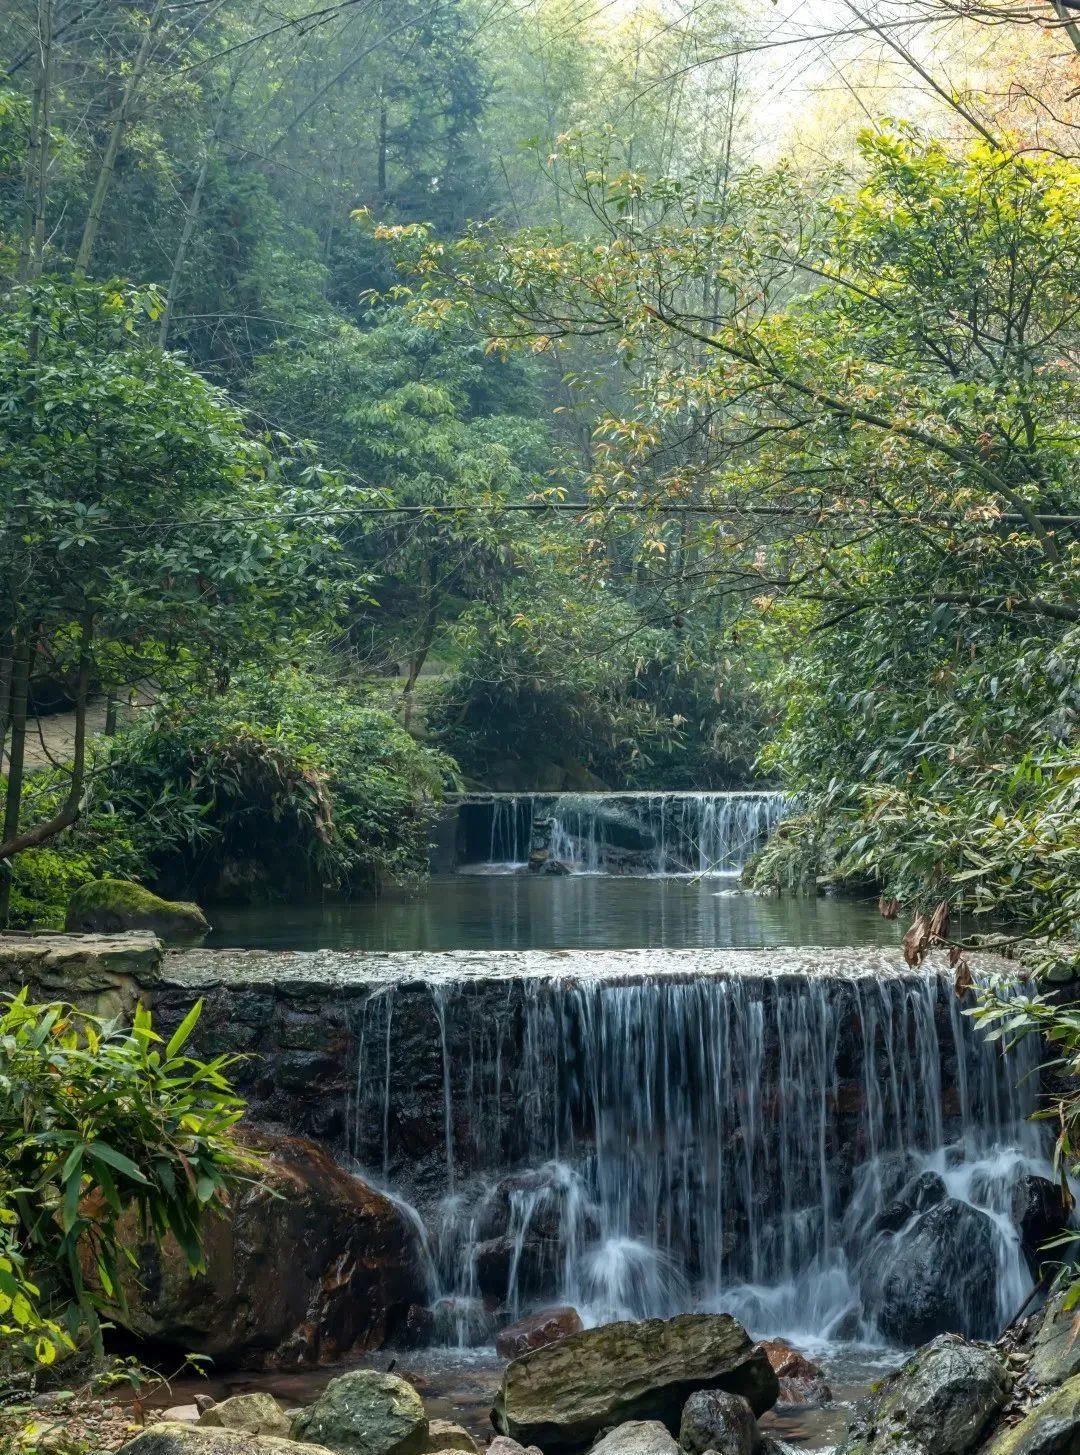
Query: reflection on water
x,y
529,912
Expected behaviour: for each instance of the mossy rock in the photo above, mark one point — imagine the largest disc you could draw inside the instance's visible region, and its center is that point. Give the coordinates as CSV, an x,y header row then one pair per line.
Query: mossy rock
x,y
109,905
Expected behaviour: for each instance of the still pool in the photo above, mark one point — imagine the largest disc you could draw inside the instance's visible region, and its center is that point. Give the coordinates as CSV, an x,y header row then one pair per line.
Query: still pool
x,y
576,912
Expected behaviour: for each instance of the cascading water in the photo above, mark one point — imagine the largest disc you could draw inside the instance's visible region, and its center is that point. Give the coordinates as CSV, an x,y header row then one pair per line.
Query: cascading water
x,y
604,833
779,1145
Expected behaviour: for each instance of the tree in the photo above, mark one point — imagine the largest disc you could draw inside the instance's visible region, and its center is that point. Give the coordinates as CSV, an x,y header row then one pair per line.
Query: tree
x,y
881,384
144,531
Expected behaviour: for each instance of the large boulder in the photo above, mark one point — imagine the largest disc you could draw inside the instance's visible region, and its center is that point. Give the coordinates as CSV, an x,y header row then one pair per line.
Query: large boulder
x,y
257,1413
1039,1215
939,1403
1054,1345
533,1332
562,1395
179,1439
366,1413
937,1276
308,1264
1051,1428
107,905
638,1437
713,1419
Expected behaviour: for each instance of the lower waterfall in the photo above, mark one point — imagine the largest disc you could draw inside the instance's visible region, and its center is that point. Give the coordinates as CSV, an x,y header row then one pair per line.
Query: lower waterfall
x,y
799,1149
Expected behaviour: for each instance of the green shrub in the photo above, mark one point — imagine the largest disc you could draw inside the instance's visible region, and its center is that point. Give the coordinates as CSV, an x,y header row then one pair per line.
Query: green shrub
x,y
101,1119
285,782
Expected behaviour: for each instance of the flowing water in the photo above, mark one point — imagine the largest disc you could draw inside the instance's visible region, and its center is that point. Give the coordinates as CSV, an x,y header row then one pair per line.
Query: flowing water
x,y
636,1146
616,833
698,1125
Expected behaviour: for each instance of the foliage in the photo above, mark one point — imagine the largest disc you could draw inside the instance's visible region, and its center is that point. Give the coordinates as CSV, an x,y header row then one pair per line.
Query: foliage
x,y
104,1122
888,369
560,685
284,782
145,533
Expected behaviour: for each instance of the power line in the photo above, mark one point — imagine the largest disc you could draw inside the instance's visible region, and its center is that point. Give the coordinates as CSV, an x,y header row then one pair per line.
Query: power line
x,y
820,514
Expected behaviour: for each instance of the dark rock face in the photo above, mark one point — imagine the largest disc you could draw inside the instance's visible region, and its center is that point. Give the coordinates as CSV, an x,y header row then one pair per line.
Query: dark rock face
x,y
714,1420
936,1277
940,1403
562,1395
1039,1214
535,1263
324,1266
922,1192
110,905
546,1327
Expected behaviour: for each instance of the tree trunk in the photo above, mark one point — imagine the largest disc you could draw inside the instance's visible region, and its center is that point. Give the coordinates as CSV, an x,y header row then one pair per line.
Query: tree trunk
x,y
191,216
381,178
14,841
116,137
20,692
32,248
1069,23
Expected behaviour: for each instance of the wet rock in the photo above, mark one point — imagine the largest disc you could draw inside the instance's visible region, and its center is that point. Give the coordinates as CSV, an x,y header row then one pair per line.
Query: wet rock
x,y
1054,1345
564,1394
307,1267
1051,1428
922,1192
939,1403
176,1439
418,1328
258,1413
715,1420
366,1413
802,1382
544,1202
444,1435
107,905
545,1327
533,1265
102,974
504,1445
1039,1215
936,1277
638,1437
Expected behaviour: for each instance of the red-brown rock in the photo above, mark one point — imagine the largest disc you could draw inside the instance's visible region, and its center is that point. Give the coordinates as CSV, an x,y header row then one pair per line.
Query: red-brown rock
x,y
304,1268
546,1327
801,1380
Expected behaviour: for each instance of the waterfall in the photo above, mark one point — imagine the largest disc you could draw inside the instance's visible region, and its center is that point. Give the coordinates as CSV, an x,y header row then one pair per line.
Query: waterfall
x,y
606,833
645,1144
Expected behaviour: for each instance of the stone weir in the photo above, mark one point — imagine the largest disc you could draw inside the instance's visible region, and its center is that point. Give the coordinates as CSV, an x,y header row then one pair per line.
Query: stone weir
x,y
815,1140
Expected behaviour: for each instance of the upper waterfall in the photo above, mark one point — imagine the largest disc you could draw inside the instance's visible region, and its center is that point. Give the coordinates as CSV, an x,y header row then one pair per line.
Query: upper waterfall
x,y
700,833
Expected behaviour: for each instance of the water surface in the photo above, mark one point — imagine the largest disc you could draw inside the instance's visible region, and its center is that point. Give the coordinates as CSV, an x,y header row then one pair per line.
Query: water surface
x,y
538,912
